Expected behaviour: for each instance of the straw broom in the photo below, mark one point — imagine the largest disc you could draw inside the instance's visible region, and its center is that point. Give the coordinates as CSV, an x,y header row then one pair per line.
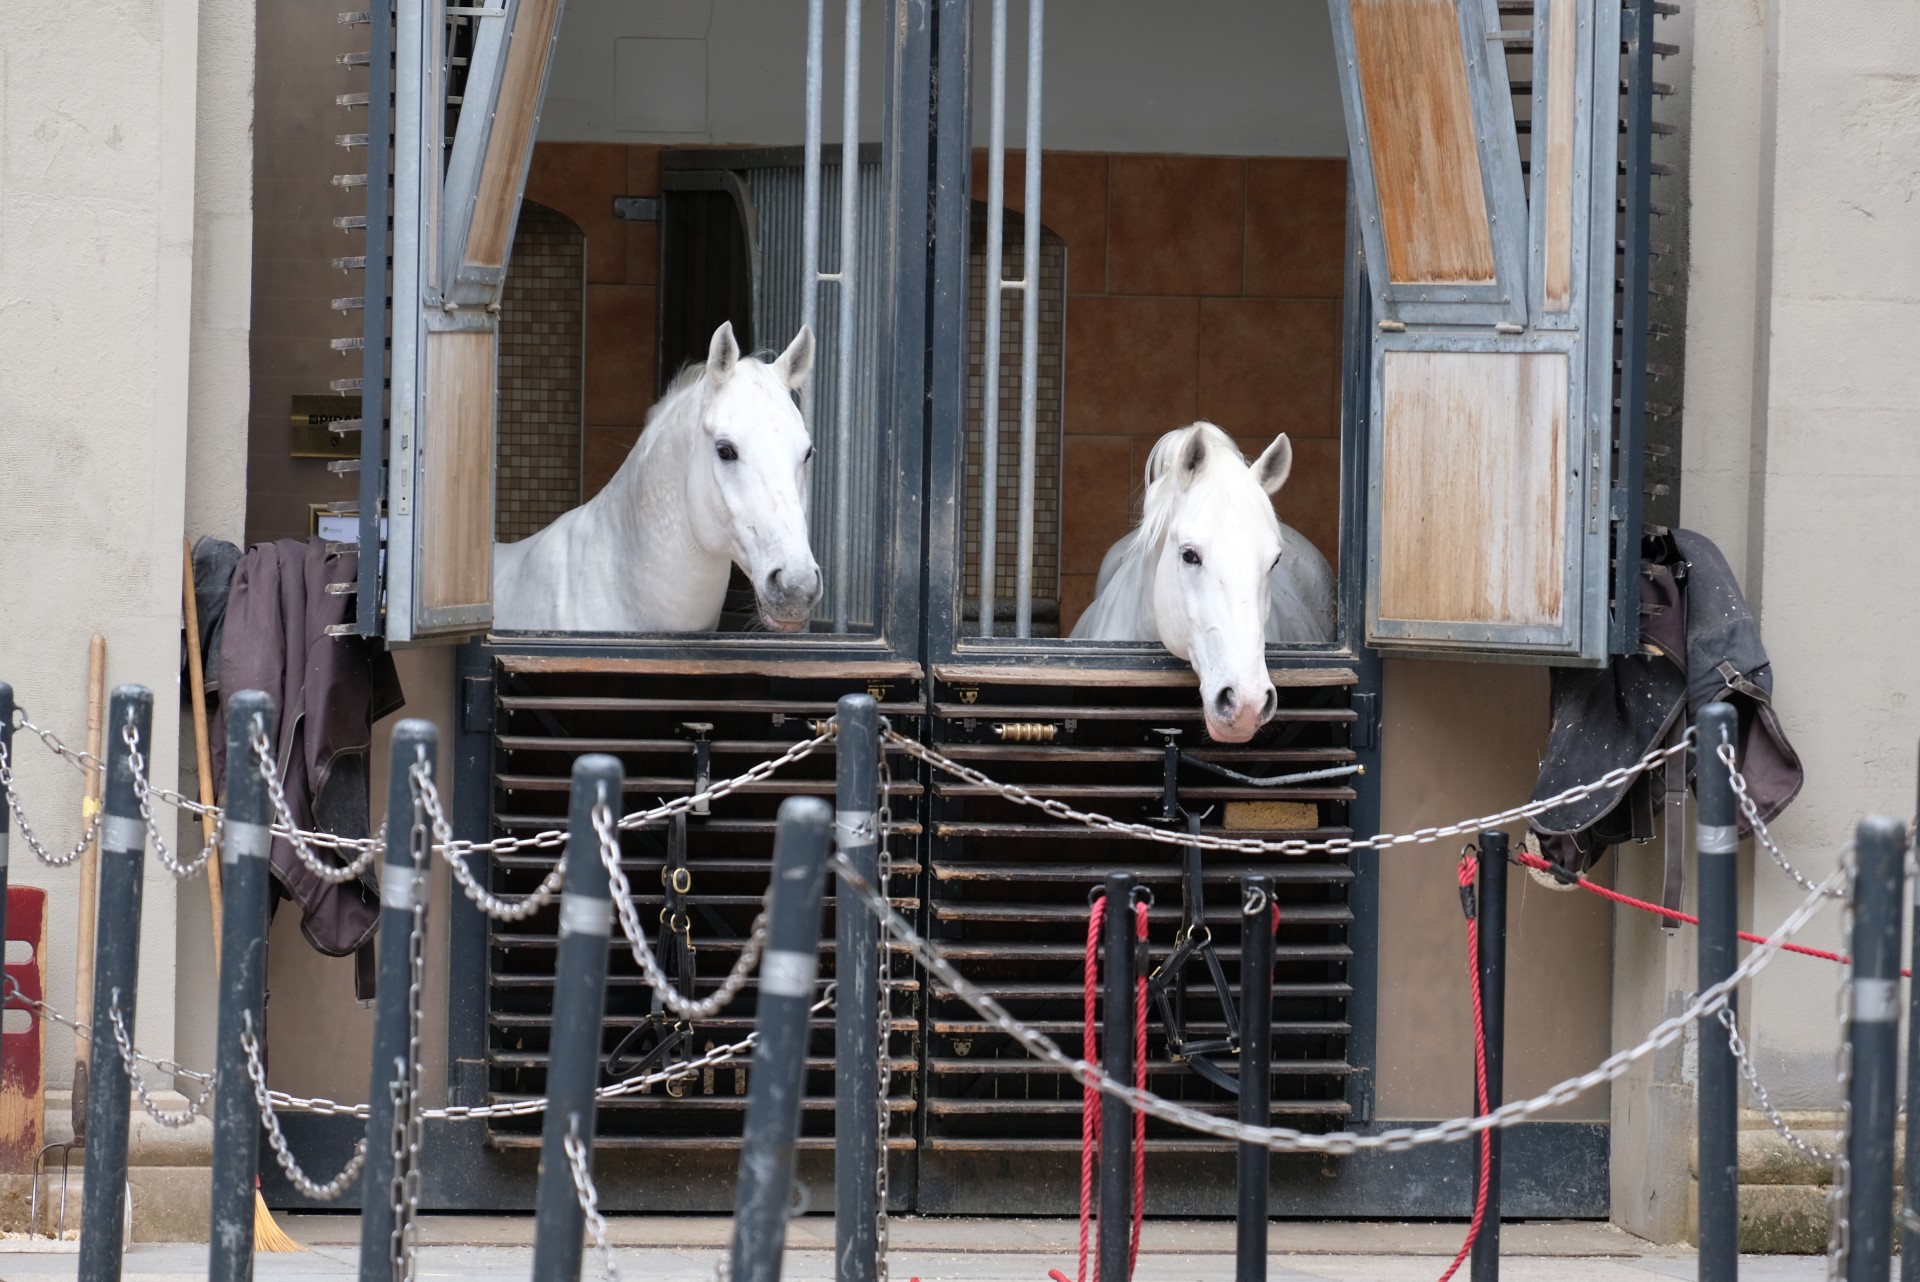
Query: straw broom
x,y
267,1236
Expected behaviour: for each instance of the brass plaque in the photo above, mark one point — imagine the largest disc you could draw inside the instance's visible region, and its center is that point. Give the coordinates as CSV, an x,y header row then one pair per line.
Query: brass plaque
x,y
312,437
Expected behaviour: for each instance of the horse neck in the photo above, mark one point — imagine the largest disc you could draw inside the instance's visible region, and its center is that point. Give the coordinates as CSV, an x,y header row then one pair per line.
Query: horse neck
x,y
647,497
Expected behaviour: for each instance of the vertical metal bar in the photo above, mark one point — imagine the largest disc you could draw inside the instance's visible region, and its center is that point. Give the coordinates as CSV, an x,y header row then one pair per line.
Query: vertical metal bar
x,y
990,347
1873,1036
810,195
1256,1071
116,979
466,926
579,1009
246,890
1492,925
1909,1237
846,341
1029,323
779,1069
6,815
373,285
1635,232
1717,837
1116,1058
858,1121
400,882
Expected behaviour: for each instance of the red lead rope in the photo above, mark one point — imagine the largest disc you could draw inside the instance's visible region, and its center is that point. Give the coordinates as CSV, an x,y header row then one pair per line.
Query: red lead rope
x,y
1480,1101
1090,1098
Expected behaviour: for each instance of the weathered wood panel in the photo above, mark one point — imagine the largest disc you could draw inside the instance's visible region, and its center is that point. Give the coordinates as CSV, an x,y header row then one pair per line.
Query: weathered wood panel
x,y
1557,255
508,145
1420,130
23,1079
1472,494
456,546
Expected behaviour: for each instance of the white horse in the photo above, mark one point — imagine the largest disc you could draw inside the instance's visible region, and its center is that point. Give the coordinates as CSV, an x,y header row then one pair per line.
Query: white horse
x,y
1213,575
716,479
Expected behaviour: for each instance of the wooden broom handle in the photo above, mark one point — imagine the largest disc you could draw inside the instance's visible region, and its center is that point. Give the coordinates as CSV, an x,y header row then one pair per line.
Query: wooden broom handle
x,y
197,687
94,796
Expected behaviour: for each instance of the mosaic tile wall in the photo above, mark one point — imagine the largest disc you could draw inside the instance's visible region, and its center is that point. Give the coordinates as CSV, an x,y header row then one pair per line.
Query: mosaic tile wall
x,y
542,324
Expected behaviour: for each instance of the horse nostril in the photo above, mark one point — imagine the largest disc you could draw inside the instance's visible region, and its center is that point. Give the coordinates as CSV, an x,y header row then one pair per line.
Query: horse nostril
x,y
773,578
1223,702
1267,707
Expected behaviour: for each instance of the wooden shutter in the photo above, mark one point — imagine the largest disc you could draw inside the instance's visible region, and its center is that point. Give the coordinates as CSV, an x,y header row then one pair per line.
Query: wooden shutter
x,y
1490,399
452,234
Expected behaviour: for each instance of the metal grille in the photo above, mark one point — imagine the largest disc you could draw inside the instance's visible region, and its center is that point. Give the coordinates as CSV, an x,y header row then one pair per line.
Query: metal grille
x,y
1007,899
779,210
542,320
1050,420
651,719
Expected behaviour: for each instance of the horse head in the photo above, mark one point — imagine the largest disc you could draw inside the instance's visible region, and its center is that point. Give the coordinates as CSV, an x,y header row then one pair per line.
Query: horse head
x,y
746,488
1215,542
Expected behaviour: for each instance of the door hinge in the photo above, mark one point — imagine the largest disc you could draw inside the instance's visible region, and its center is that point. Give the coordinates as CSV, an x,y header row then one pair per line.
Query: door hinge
x,y
1366,724
476,705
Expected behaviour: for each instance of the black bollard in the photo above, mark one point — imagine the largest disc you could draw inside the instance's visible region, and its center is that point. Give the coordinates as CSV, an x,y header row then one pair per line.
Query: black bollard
x,y
1909,1238
1256,1071
1717,838
779,1069
1492,924
116,977
1116,1059
1873,1035
857,1120
401,881
579,1013
6,816
246,843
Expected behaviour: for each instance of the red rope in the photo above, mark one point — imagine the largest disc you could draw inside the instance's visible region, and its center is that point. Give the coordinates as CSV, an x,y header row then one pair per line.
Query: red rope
x,y
1528,860
1480,1101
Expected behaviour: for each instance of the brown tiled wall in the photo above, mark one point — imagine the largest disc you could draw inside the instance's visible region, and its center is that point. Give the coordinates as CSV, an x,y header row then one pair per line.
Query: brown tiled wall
x,y
1199,287
580,180
537,461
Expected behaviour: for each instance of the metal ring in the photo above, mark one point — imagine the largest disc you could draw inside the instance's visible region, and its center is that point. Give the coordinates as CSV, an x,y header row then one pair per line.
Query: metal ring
x,y
1256,901
1143,895
1095,895
679,924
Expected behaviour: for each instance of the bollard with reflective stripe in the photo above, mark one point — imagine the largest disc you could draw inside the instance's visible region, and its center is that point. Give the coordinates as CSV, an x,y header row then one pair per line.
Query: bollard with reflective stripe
x,y
579,1009
116,976
1873,1037
401,879
6,814
778,1075
246,843
857,1120
1491,922
1256,1071
1717,838
1116,1059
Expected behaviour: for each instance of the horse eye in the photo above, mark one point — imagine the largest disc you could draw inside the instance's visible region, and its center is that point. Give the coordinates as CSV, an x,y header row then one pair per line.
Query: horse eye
x,y
1190,555
809,455
727,453
1276,560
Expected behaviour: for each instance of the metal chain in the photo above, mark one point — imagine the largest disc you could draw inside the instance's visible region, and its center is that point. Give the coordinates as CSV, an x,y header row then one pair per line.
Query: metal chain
x,y
276,1138
1840,1191
885,1037
333,874
1341,1143
40,852
142,791
1292,846
10,995
1748,1071
716,1001
488,903
80,759
589,1196
1751,810
168,1119
407,1122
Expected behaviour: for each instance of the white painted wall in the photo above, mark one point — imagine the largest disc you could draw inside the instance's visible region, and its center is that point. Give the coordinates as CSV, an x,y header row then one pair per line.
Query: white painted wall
x,y
1217,77
102,316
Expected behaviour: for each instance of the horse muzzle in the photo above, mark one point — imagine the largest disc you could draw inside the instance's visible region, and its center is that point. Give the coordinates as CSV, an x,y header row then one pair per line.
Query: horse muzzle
x,y
787,599
1233,716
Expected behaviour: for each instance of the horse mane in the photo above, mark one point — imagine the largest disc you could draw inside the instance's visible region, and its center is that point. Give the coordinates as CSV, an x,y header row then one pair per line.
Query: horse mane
x,y
1157,502
687,385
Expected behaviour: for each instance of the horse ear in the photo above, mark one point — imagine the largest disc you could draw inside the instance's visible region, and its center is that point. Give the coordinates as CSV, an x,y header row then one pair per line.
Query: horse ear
x,y
722,354
796,363
1274,464
1193,457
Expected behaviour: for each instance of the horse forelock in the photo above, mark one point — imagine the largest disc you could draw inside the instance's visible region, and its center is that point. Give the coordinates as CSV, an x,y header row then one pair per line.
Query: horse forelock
x,y
1216,482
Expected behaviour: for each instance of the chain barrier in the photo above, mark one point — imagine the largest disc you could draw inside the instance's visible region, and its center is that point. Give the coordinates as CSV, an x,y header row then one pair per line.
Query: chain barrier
x,y
1339,1143
40,852
277,1139
299,839
1744,1059
408,1125
589,1197
488,903
143,792
716,1001
11,996
1751,810
1259,846
172,1120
